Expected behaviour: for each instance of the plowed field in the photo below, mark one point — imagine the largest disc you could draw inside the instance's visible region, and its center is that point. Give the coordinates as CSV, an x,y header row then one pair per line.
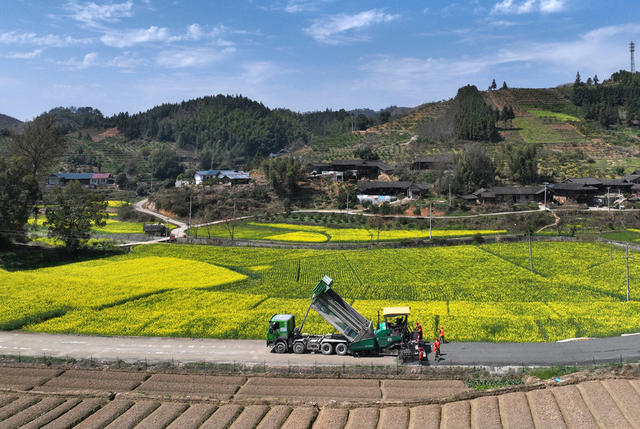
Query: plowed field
x,y
122,399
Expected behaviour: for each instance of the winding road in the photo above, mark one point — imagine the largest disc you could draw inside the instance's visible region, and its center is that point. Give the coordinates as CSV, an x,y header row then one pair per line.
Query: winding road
x,y
254,352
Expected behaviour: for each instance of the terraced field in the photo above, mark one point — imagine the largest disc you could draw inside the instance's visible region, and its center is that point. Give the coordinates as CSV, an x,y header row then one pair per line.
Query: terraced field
x,y
54,398
479,293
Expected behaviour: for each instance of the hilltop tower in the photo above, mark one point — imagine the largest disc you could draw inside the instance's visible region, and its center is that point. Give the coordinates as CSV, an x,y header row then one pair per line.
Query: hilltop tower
x,y
632,49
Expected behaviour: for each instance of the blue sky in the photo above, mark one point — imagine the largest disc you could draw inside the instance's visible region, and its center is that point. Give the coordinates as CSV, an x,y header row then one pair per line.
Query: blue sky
x,y
129,55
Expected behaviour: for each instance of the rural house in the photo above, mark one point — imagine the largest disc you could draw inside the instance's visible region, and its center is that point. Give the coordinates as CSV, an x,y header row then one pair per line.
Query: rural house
x,y
85,179
352,169
233,177
433,162
579,192
389,191
507,194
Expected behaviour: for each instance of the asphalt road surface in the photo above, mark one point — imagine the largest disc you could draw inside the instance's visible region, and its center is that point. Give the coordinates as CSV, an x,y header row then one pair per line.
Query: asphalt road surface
x,y
158,349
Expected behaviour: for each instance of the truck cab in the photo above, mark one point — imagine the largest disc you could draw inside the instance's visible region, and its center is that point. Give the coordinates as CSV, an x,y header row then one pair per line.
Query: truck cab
x,y
394,327
280,333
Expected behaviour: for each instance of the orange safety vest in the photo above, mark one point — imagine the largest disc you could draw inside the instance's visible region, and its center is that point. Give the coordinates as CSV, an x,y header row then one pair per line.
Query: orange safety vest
x,y
441,332
436,346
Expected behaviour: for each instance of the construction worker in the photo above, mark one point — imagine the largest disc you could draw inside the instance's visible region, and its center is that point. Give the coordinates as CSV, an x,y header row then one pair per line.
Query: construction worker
x,y
422,356
442,335
419,330
436,349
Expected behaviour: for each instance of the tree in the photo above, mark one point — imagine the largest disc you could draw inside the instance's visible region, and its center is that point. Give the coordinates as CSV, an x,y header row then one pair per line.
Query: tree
x,y
595,80
504,85
366,153
283,175
18,194
122,180
165,164
71,213
40,145
474,169
493,84
577,82
589,81
474,120
362,122
347,195
385,115
522,163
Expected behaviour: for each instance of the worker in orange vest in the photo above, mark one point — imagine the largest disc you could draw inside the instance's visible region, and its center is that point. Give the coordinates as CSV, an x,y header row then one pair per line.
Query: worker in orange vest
x,y
419,329
436,349
422,356
442,335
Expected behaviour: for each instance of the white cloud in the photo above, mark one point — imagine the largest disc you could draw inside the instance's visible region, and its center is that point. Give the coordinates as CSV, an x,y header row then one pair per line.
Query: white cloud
x,y
127,61
519,7
24,55
299,6
343,28
89,60
50,40
195,57
93,14
126,38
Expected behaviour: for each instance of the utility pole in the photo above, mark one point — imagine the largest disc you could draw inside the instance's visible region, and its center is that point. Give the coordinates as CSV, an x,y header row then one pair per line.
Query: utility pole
x,y
608,204
347,202
233,222
430,218
627,257
189,212
530,253
211,154
632,49
545,194
449,194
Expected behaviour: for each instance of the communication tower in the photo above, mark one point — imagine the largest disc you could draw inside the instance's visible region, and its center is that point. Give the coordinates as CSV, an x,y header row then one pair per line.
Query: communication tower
x,y
632,49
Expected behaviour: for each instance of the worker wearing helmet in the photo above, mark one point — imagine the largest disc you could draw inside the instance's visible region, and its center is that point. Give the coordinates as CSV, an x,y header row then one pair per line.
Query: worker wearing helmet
x,y
442,335
422,356
419,330
436,349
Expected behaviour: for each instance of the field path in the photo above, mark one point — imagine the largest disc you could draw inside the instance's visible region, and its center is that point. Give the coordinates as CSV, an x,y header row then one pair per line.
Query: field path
x,y
254,352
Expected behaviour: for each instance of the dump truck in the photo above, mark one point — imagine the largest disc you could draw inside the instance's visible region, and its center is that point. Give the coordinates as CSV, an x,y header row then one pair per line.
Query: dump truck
x,y
357,334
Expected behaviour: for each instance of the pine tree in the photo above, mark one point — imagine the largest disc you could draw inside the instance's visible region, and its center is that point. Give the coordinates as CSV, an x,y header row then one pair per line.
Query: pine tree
x,y
504,85
493,84
578,82
595,80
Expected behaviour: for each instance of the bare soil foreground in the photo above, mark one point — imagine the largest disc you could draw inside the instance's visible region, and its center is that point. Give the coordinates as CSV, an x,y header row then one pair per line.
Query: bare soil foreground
x,y
34,397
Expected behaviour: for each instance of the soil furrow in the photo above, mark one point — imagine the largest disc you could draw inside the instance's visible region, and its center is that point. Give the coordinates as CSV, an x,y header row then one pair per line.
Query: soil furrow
x,y
397,417
76,414
163,415
602,405
331,418
250,417
362,418
31,413
222,417
626,398
574,410
544,409
134,415
425,417
515,412
52,415
275,417
105,415
485,413
456,415
300,418
193,417
16,406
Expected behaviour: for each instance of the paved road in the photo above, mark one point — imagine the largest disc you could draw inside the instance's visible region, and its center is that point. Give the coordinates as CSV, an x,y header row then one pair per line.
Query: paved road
x,y
254,351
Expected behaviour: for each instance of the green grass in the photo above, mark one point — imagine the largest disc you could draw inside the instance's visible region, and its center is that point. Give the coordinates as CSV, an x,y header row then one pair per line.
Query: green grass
x,y
534,131
552,372
491,383
631,236
540,113
478,293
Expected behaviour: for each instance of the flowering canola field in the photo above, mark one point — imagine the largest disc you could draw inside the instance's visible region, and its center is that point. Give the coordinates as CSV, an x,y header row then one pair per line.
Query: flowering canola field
x,y
317,233
479,293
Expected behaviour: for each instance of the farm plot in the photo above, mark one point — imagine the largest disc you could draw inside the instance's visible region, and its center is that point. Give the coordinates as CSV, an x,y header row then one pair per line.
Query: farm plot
x,y
480,293
319,234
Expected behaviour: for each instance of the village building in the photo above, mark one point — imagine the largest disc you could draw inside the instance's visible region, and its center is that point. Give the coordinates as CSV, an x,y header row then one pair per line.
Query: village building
x,y
85,179
433,162
507,194
353,169
233,177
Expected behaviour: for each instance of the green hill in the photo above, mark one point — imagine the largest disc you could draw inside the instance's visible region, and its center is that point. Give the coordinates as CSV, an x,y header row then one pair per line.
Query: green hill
x,y
9,123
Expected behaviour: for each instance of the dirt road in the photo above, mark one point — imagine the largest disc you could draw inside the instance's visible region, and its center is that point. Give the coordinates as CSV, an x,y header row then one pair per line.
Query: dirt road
x,y
158,349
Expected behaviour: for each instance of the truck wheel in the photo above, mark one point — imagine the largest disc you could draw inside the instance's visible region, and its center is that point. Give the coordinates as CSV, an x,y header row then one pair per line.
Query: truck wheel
x,y
298,348
280,347
326,348
341,349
